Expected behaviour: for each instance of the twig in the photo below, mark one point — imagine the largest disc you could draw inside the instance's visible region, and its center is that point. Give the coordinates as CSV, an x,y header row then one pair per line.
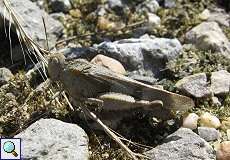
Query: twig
x,y
103,32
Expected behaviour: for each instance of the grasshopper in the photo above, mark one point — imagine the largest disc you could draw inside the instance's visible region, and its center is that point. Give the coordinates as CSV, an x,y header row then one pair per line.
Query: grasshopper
x,y
116,93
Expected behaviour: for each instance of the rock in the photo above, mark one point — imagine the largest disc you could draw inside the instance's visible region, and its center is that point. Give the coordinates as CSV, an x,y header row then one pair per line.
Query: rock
x,y
60,5
194,85
148,6
209,36
115,4
223,153
190,121
184,144
53,139
78,52
76,13
17,54
216,101
110,63
220,82
105,24
34,27
142,54
153,20
5,75
169,3
220,16
204,15
146,36
208,120
100,11
208,134
39,3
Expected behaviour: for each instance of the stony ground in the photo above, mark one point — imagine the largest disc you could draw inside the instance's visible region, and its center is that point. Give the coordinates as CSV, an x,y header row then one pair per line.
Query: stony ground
x,y
181,46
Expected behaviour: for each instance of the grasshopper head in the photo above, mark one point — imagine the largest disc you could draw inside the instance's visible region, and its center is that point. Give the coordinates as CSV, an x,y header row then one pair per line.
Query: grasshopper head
x,y
55,66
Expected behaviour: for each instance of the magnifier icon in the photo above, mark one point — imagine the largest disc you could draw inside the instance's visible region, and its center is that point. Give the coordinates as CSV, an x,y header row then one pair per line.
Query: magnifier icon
x,y
9,147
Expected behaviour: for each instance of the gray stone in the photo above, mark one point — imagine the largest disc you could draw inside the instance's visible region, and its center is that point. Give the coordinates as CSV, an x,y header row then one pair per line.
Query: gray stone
x,y
194,85
184,144
209,36
220,82
78,52
39,3
169,3
153,20
5,75
146,36
208,134
115,4
53,139
220,16
148,6
17,53
204,15
216,101
100,11
60,5
31,20
148,54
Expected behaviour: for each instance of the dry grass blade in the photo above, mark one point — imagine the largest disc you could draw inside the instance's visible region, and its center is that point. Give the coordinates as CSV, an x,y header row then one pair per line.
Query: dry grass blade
x,y
24,37
41,55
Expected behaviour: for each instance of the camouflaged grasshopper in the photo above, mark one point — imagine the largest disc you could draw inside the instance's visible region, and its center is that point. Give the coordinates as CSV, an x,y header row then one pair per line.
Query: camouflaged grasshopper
x,y
117,93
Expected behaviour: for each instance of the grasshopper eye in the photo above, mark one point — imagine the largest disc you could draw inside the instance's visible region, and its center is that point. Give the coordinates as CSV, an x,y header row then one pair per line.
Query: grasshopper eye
x,y
54,60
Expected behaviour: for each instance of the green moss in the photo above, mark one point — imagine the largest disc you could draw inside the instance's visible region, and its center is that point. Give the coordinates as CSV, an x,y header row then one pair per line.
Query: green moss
x,y
195,61
175,21
226,31
206,105
178,20
87,22
20,105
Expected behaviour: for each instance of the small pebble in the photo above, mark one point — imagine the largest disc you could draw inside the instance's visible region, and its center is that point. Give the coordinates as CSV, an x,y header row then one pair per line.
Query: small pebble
x,y
223,152
190,121
216,101
208,134
204,15
171,122
5,75
76,13
208,120
105,155
109,63
105,24
153,20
